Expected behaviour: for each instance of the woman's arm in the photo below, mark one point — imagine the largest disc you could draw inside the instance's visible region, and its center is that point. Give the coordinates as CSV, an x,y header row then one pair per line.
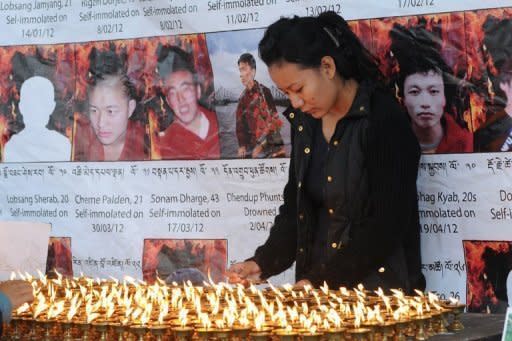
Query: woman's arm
x,y
278,252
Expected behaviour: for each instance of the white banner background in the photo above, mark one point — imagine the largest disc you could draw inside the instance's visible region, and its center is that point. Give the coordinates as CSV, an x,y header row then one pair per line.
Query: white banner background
x,y
467,184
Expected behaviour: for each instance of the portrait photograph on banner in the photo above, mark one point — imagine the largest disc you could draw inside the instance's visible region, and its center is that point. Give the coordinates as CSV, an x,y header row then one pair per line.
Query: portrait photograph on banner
x,y
109,119
183,123
489,45
248,104
145,99
424,59
37,88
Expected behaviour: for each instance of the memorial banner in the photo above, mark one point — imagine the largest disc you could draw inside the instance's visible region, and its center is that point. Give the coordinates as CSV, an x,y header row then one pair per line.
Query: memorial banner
x,y
148,132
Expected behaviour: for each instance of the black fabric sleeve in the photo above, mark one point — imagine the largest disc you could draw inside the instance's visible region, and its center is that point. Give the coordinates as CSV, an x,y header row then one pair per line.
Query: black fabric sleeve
x,y
279,251
393,154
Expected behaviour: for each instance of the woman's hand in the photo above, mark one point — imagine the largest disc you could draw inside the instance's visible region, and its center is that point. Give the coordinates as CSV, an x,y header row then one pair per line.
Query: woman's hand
x,y
302,283
244,273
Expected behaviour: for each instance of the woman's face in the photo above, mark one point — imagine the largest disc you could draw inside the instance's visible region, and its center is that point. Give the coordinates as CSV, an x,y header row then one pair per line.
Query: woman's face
x,y
311,90
424,98
109,111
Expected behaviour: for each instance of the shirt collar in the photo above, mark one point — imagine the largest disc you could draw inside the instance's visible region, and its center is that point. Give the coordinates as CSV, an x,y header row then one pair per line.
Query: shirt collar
x,y
254,87
361,104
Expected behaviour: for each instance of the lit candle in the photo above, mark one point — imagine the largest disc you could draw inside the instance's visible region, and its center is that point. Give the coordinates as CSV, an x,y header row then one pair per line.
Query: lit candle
x,y
262,334
139,330
456,309
158,331
400,328
359,334
84,327
101,327
241,332
220,332
311,335
204,331
286,334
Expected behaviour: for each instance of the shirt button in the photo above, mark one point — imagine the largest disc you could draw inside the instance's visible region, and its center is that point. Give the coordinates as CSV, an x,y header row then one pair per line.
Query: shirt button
x,y
331,211
292,115
334,245
329,178
299,185
335,143
301,216
307,150
301,128
361,108
381,269
301,250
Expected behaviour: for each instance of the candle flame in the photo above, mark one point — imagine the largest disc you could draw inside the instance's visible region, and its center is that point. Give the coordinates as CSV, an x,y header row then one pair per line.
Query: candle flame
x,y
325,288
259,321
307,288
288,287
313,329
110,309
41,305
74,305
23,308
243,320
205,320
55,309
91,317
305,308
326,325
453,301
344,291
219,324
164,310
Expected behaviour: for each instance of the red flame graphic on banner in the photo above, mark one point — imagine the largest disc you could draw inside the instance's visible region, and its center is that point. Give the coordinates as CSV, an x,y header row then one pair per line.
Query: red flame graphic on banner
x,y
480,62
483,260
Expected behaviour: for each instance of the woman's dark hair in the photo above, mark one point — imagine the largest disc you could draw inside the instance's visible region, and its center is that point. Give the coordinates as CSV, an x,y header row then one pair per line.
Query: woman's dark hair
x,y
306,40
418,50
107,65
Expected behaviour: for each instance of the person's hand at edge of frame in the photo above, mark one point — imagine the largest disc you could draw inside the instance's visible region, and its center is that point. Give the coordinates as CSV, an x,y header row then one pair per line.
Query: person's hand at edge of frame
x,y
17,291
245,273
